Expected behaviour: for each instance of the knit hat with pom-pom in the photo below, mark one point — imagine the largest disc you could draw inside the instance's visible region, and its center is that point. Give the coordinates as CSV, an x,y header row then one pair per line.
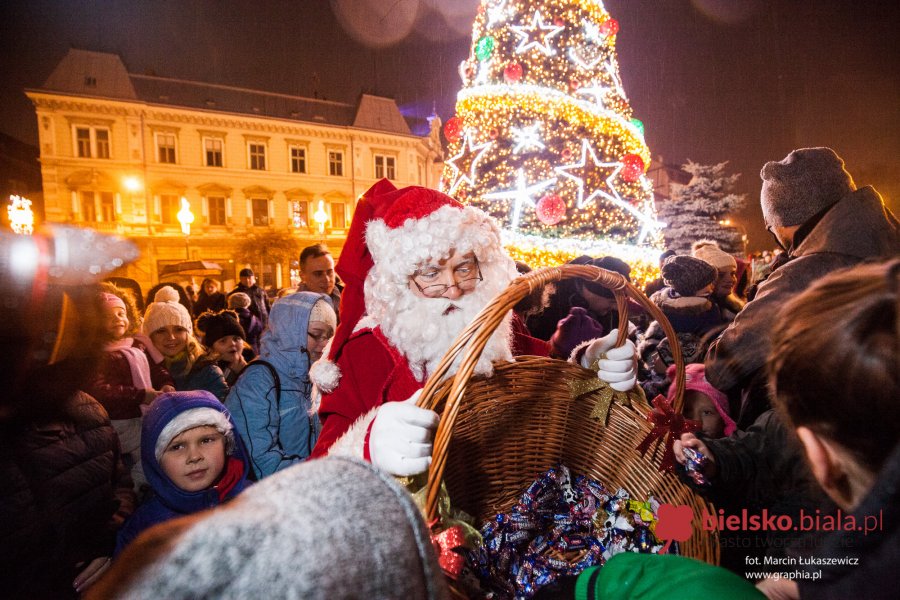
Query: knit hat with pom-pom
x,y
165,310
709,251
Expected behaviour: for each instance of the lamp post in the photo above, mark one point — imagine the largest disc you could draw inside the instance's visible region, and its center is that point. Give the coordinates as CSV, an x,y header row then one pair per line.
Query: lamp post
x,y
321,217
186,217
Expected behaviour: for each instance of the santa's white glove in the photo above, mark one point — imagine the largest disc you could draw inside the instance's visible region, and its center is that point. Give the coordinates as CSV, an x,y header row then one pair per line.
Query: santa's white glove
x,y
400,439
617,366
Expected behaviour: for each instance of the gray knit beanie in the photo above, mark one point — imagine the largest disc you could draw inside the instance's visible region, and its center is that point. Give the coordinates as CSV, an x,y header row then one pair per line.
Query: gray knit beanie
x,y
688,275
806,182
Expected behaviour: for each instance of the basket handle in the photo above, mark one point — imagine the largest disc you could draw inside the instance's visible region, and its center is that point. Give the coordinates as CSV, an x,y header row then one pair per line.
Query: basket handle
x,y
471,342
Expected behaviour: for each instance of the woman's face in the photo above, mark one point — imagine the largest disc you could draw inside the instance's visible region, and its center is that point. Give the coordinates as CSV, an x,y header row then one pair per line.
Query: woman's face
x,y
170,340
210,288
725,282
116,322
228,347
317,337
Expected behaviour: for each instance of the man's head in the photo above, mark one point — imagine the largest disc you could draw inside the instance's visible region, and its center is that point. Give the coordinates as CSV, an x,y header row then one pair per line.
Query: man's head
x,y
806,182
317,269
247,277
437,263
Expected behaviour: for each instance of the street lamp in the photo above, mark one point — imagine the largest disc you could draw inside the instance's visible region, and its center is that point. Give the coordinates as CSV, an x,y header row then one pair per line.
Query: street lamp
x,y
21,217
727,222
321,217
186,217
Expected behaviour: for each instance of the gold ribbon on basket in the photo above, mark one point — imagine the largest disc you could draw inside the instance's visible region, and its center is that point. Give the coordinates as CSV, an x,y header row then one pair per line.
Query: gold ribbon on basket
x,y
581,387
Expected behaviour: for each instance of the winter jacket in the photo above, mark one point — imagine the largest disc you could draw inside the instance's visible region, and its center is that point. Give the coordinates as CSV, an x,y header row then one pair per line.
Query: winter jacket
x,y
203,375
205,302
259,301
252,327
877,550
324,529
64,491
169,501
856,228
279,431
113,386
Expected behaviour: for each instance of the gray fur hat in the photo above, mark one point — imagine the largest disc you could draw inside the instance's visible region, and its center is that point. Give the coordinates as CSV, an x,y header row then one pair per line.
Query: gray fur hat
x,y
806,182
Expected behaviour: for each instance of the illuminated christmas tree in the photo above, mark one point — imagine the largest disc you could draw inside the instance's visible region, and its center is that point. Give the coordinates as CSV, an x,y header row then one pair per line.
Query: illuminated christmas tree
x,y
543,138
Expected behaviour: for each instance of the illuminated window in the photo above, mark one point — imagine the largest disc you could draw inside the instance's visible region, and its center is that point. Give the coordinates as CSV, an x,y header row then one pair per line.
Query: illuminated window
x,y
385,166
300,213
298,159
216,210
92,142
88,207
338,217
260,212
169,205
165,148
107,207
257,154
335,163
213,149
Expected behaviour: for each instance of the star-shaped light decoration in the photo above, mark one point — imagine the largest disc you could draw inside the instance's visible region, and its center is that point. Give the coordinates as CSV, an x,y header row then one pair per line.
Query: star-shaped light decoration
x,y
598,92
586,57
497,13
537,35
466,162
521,194
592,32
610,68
590,172
527,137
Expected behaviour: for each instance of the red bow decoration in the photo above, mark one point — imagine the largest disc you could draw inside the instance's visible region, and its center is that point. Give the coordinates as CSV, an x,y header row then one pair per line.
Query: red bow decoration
x,y
444,543
667,425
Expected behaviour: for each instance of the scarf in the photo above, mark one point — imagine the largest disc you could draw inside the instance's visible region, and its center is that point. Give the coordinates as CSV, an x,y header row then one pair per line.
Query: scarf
x,y
234,470
137,361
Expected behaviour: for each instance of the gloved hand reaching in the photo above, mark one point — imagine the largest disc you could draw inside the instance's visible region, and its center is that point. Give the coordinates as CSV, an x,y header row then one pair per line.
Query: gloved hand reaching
x,y
617,366
400,440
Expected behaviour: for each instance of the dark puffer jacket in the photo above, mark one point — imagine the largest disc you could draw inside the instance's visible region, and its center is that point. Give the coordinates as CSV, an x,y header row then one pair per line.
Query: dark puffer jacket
x,y
64,491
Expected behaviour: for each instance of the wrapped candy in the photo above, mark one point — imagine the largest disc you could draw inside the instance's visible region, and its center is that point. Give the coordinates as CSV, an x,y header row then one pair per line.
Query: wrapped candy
x,y
695,465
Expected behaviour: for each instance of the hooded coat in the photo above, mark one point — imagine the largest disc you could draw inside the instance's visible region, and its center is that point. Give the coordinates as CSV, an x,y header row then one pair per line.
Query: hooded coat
x,y
279,429
169,501
856,228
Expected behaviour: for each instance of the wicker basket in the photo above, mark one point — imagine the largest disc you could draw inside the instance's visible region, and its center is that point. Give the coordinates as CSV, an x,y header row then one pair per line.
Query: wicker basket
x,y
497,434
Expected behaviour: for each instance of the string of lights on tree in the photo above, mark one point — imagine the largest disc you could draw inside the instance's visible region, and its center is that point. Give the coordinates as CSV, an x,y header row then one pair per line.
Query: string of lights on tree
x,y
544,138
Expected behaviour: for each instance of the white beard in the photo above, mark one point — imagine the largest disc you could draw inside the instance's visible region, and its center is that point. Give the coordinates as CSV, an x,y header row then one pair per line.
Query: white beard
x,y
423,330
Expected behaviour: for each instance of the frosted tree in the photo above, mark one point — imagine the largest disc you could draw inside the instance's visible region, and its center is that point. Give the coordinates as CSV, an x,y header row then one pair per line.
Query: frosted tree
x,y
544,138
703,209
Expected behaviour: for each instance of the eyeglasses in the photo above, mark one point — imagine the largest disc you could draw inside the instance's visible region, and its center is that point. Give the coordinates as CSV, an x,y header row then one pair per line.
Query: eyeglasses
x,y
320,338
465,285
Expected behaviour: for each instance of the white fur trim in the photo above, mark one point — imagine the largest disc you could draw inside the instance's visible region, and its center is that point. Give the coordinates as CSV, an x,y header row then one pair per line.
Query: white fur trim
x,y
398,251
366,322
189,419
325,374
352,443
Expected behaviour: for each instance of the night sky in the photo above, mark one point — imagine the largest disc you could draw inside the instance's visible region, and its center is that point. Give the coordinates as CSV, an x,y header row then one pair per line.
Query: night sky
x,y
739,80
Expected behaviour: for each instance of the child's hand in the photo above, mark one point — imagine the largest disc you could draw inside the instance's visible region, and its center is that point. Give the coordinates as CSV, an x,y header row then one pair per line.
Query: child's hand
x,y
166,389
689,440
238,364
150,396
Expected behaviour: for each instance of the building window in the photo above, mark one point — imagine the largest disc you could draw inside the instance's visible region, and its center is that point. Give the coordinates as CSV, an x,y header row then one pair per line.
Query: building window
x,y
300,213
216,210
338,217
92,142
385,166
107,207
213,148
165,148
257,153
335,163
88,207
169,205
298,159
260,212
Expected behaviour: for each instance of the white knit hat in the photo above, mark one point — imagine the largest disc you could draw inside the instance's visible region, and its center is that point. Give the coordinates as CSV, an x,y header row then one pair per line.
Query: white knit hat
x,y
709,251
189,419
166,310
323,313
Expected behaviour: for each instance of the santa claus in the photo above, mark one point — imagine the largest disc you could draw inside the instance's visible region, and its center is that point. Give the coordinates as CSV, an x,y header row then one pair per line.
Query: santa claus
x,y
418,267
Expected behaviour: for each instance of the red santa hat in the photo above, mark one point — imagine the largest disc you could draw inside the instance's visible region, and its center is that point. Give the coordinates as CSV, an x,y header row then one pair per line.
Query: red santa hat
x,y
398,229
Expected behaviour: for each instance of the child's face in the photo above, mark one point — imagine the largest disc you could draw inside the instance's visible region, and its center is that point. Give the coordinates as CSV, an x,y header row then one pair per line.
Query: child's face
x,y
228,347
116,322
170,340
700,407
194,459
317,337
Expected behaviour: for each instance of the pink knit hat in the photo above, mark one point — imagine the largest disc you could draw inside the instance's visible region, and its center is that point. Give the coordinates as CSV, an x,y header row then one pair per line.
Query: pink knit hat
x,y
695,379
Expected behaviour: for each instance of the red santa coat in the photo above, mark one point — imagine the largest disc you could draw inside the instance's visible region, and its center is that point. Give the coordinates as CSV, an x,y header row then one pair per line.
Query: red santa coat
x,y
372,372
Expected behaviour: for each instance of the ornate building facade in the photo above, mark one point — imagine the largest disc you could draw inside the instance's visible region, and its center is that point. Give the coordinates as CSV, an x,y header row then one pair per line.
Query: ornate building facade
x,y
122,152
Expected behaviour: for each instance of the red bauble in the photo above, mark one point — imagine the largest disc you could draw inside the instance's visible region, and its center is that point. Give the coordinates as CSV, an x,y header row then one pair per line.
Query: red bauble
x,y
566,154
493,133
574,84
609,27
550,209
633,167
453,128
513,72
559,22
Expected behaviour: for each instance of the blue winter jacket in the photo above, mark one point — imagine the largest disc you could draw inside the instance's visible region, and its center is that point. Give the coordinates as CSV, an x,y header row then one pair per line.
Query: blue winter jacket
x,y
279,432
170,501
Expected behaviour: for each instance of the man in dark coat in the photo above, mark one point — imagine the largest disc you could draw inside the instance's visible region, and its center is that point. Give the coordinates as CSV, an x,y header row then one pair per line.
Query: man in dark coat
x,y
813,208
259,300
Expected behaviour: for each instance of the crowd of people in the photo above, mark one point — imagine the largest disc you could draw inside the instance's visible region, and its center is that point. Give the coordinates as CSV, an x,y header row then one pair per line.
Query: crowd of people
x,y
791,378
